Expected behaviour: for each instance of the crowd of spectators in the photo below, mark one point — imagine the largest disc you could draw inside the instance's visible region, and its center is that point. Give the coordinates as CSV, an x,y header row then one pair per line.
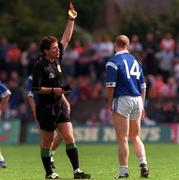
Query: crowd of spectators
x,y
84,70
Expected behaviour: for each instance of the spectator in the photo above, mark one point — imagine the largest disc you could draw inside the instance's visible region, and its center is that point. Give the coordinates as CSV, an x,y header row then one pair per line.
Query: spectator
x,y
97,90
135,45
4,47
167,43
165,59
170,112
106,47
105,115
84,87
28,59
150,48
170,88
176,68
156,112
93,120
13,58
157,87
69,60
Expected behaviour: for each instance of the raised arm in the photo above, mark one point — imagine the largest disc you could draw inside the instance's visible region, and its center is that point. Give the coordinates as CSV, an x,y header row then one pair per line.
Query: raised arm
x,y
69,27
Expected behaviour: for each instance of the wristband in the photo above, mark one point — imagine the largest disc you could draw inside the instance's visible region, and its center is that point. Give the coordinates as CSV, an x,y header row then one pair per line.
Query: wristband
x,y
72,14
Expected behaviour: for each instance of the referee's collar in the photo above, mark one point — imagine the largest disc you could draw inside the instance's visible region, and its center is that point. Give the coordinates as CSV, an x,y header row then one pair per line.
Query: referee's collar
x,y
122,52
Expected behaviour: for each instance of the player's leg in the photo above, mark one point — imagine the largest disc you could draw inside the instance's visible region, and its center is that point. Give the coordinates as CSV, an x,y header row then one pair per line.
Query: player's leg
x,y
134,133
138,146
2,161
56,141
46,139
121,126
66,131
46,131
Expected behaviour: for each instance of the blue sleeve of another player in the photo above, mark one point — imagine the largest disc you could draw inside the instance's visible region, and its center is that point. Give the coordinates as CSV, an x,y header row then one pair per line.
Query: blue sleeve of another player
x,y
111,74
4,91
29,86
142,81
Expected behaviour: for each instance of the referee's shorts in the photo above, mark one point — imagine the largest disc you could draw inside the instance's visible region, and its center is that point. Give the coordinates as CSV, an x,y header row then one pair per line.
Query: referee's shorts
x,y
48,117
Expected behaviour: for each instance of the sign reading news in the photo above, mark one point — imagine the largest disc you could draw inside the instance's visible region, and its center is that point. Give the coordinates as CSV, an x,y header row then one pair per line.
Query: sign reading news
x,y
152,134
85,134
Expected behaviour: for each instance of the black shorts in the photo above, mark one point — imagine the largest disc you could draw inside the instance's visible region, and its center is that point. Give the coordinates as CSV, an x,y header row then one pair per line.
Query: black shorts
x,y
48,119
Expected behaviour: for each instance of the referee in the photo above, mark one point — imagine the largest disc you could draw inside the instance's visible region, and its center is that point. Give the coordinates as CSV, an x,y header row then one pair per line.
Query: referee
x,y
53,109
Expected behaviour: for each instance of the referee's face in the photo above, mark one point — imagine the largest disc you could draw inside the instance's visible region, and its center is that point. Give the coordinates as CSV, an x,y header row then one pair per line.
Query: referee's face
x,y
54,51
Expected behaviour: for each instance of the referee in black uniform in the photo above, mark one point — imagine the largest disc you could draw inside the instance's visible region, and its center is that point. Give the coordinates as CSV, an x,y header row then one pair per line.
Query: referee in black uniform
x,y
53,109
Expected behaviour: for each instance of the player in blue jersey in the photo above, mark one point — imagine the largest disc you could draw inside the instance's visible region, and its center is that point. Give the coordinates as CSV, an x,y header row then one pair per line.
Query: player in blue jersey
x,y
32,99
126,90
4,95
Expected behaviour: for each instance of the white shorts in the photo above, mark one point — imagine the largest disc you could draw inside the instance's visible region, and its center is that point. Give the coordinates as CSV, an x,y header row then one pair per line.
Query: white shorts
x,y
128,106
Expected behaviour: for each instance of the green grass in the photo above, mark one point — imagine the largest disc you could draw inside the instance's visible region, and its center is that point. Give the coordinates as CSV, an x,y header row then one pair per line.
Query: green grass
x,y
24,162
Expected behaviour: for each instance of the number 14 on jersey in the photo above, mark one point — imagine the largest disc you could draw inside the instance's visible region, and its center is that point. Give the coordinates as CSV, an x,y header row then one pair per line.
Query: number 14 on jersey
x,y
134,71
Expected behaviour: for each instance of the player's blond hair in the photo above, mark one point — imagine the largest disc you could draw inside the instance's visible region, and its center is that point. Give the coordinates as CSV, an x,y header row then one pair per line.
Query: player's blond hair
x,y
122,41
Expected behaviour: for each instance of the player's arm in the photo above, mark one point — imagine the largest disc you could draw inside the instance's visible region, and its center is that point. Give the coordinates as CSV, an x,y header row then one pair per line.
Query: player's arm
x,y
69,27
49,90
37,83
4,102
31,102
5,95
67,104
30,96
110,95
111,77
143,92
143,87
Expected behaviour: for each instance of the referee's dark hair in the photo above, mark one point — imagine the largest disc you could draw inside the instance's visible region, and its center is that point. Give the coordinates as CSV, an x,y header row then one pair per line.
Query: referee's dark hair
x,y
46,42
122,41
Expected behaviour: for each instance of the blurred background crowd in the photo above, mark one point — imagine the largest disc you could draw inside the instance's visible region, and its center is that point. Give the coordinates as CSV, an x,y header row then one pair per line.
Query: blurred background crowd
x,y
84,70
84,60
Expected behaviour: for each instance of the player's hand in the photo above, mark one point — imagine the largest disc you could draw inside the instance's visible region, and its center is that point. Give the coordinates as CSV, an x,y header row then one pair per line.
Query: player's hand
x,y
58,91
67,89
143,114
68,109
72,13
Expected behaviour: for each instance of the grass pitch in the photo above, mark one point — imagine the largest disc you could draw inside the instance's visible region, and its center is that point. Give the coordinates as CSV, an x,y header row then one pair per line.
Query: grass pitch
x,y
24,162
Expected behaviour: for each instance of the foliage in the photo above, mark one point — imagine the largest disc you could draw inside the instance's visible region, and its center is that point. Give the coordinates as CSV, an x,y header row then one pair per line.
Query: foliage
x,y
134,22
87,10
27,20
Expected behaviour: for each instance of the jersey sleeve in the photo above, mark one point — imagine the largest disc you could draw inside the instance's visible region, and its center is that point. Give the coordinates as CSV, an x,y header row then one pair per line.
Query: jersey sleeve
x,y
111,74
142,81
4,91
29,87
37,77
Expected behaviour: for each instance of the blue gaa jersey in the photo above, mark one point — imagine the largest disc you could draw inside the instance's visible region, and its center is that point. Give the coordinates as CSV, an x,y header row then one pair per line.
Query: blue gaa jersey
x,y
29,86
4,91
124,73
29,89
